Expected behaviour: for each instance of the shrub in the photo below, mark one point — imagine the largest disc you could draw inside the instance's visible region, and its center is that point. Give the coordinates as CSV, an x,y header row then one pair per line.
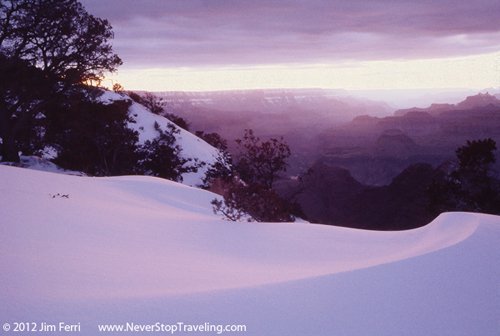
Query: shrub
x,y
162,156
470,186
256,201
260,161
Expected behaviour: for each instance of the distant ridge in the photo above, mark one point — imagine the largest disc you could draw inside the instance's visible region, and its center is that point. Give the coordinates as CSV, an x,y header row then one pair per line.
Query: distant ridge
x,y
470,102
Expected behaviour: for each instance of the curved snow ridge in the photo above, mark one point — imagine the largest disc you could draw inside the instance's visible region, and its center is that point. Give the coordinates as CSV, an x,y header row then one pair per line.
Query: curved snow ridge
x,y
282,252
135,237
446,230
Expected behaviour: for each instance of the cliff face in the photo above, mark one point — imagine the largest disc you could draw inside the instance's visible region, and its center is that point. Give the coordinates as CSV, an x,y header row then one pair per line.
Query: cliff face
x,y
479,100
330,195
385,146
395,143
324,193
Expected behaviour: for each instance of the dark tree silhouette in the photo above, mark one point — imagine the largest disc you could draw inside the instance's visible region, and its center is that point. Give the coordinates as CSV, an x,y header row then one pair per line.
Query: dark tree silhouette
x,y
471,186
254,202
156,105
213,139
23,90
152,102
261,161
258,165
60,46
59,37
162,156
94,138
220,174
476,157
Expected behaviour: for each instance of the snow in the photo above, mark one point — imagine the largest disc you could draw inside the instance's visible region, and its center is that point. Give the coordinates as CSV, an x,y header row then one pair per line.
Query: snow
x,y
42,164
146,250
192,146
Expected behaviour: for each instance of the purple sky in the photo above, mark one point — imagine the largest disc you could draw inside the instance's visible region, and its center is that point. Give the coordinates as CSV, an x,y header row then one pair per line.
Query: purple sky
x,y
194,33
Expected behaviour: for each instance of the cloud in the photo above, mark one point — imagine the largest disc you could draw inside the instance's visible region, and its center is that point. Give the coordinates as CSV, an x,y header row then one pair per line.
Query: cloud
x,y
239,32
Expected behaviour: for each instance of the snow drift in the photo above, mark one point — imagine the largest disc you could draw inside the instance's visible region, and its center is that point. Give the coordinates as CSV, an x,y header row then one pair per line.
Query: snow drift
x,y
141,249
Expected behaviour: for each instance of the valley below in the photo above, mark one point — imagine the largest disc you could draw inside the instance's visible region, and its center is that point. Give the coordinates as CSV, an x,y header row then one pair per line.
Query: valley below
x,y
353,159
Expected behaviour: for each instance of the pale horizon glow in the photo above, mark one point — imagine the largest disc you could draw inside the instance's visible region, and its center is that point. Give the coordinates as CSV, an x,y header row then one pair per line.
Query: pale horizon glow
x,y
474,72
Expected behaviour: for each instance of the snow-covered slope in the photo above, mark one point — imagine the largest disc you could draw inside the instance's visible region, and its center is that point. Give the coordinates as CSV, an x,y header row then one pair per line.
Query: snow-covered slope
x,y
192,146
146,250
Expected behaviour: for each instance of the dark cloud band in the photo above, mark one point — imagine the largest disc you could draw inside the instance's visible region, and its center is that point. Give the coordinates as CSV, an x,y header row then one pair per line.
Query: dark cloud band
x,y
221,32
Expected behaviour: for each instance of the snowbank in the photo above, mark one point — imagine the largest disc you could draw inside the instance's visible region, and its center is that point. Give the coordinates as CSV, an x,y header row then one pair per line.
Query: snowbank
x,y
142,249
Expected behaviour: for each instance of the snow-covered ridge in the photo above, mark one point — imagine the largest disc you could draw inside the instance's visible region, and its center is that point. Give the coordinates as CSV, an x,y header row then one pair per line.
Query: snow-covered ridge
x,y
141,249
192,146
